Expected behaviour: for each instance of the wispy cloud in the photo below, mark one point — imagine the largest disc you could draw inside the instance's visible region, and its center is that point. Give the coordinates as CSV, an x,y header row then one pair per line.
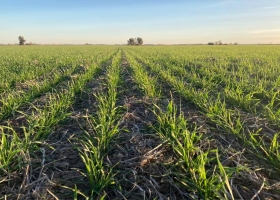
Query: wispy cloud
x,y
266,31
271,7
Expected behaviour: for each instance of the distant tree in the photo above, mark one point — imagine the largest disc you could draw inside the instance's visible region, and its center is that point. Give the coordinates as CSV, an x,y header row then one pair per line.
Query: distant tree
x,y
210,43
139,41
131,42
21,40
135,41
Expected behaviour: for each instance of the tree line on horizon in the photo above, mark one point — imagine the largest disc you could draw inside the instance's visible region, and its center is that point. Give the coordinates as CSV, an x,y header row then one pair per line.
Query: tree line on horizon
x,y
131,42
220,43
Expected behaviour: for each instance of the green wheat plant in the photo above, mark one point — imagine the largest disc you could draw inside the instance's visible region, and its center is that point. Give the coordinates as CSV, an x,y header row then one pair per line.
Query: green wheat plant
x,y
193,171
104,126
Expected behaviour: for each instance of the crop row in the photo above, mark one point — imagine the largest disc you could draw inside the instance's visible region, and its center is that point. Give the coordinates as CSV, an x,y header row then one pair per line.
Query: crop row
x,y
235,92
18,145
216,109
263,145
252,87
192,171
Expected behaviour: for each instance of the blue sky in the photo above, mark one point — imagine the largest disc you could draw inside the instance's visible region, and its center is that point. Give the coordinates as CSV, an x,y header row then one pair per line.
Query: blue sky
x,y
156,21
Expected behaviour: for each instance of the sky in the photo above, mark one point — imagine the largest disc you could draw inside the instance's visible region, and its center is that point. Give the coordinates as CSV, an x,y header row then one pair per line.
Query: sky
x,y
156,21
